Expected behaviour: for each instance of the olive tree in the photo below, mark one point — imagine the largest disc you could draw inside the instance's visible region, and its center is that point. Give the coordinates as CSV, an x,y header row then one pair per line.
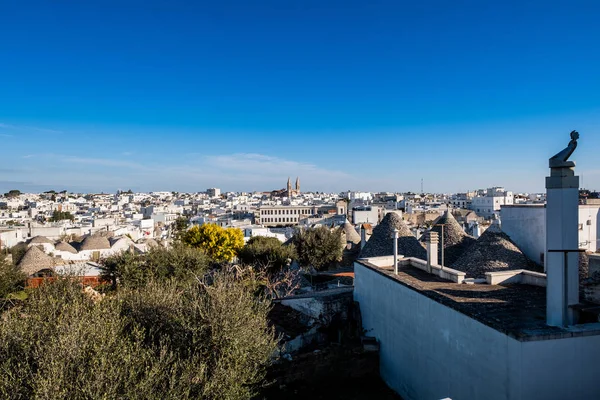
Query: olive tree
x,y
318,247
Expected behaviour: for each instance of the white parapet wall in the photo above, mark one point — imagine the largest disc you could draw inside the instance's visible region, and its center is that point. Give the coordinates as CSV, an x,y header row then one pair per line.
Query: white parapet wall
x,y
431,351
518,276
450,274
437,270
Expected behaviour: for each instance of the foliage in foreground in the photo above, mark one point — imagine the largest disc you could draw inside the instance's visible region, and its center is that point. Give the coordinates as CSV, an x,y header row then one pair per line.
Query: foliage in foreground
x,y
218,243
319,247
267,252
158,342
181,263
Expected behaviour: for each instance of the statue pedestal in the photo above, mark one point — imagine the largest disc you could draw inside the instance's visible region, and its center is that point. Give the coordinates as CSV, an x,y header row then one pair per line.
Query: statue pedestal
x,y
562,221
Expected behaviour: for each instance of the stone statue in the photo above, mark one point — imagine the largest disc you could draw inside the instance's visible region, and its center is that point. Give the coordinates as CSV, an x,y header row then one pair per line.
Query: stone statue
x,y
560,160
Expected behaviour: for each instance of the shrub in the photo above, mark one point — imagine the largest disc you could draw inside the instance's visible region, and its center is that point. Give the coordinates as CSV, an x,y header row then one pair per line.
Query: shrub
x,y
267,252
180,263
318,247
218,243
12,279
163,341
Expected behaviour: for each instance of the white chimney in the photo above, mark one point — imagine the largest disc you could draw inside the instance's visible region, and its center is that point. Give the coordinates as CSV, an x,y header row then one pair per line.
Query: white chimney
x,y
432,249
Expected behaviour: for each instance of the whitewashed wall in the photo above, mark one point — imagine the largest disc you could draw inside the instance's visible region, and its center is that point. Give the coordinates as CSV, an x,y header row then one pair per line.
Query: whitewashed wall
x,y
429,351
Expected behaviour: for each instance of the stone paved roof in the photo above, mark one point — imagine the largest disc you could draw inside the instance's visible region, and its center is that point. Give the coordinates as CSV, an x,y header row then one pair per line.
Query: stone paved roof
x,y
456,241
493,251
381,242
35,260
95,242
40,240
64,246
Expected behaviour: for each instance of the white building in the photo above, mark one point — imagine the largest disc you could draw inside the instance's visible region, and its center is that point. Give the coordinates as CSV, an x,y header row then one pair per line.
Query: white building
x,y
364,196
488,204
280,215
366,215
213,192
526,226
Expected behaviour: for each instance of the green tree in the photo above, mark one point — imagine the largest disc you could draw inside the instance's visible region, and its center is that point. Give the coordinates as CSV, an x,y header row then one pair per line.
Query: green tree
x,y
18,251
179,227
218,243
12,279
267,252
61,216
12,193
319,247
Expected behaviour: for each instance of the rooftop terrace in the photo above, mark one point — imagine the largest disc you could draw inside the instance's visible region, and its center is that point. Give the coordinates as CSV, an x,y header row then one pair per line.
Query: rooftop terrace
x,y
518,310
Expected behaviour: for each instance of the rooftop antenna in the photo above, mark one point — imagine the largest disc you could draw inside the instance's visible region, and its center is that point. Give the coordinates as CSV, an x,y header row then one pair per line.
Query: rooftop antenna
x,y
421,185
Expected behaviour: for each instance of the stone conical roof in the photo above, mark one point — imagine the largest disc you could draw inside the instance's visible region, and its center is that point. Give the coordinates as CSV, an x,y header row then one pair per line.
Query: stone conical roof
x,y
350,232
493,251
381,242
40,240
64,246
35,260
95,242
456,241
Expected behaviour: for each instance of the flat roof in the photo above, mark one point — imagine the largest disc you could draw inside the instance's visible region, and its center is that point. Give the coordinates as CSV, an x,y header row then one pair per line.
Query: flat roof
x,y
522,205
517,310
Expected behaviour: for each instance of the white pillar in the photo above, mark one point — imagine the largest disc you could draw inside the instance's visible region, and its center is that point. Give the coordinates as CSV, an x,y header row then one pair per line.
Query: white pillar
x,y
562,191
363,237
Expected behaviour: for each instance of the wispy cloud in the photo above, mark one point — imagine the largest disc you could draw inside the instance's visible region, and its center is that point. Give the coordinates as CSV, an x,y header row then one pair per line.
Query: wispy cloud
x,y
264,164
28,128
5,135
242,171
104,162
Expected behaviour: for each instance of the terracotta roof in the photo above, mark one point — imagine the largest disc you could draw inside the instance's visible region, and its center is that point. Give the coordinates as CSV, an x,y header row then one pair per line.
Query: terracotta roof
x,y
64,246
456,241
95,242
493,251
381,242
35,260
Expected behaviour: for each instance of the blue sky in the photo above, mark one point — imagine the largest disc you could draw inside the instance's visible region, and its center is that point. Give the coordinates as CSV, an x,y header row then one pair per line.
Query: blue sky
x,y
171,95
